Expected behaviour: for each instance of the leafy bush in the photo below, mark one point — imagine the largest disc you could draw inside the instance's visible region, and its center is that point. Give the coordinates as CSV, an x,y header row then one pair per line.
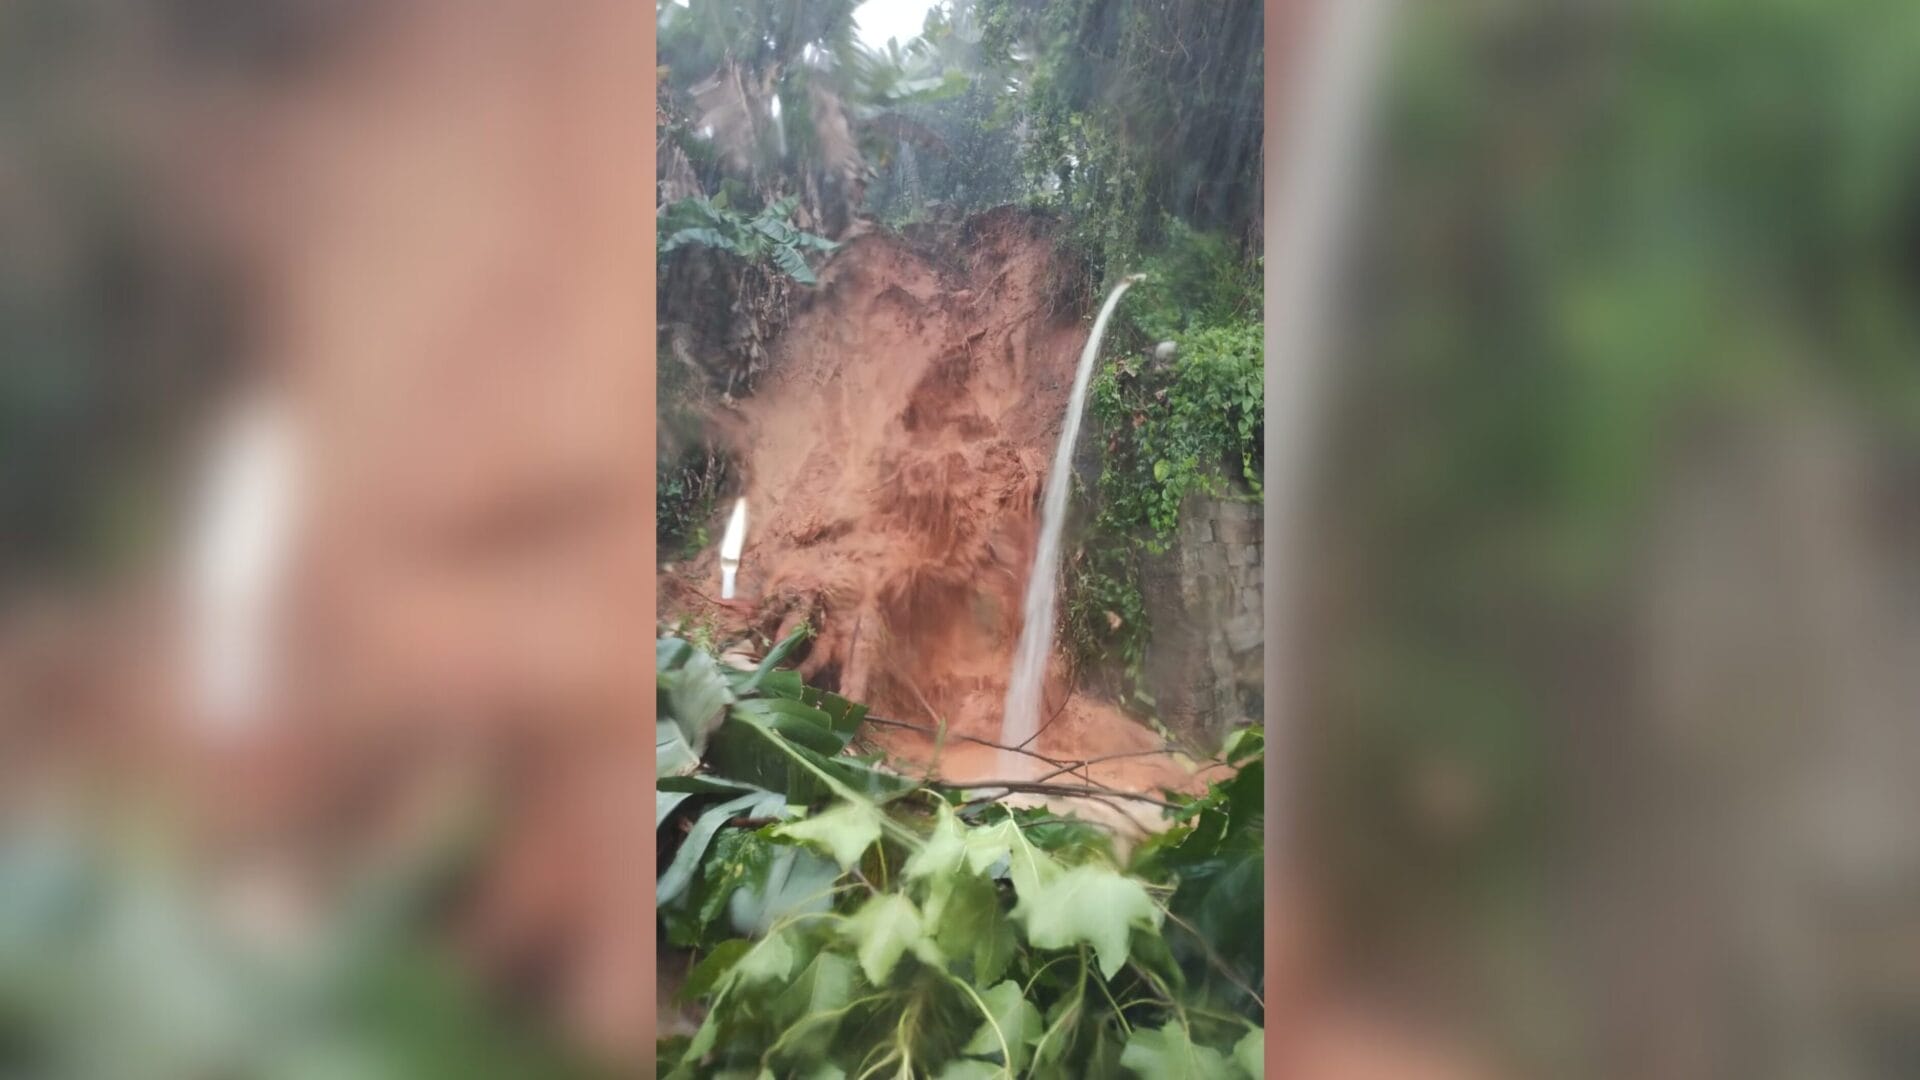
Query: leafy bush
x,y
854,922
764,238
688,485
1169,432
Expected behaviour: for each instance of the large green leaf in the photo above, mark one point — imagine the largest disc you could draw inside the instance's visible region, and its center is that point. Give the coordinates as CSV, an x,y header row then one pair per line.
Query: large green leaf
x,y
770,960
768,663
664,804
1028,867
799,722
1250,1053
679,872
743,749
670,653
712,968
809,1007
944,851
738,862
883,930
672,754
790,260
797,882
695,695
703,236
1015,1024
846,831
1243,743
1088,903
780,684
1169,1053
972,931
845,715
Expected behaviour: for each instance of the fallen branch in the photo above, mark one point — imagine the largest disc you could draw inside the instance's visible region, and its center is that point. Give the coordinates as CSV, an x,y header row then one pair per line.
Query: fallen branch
x,y
1080,766
925,730
1041,788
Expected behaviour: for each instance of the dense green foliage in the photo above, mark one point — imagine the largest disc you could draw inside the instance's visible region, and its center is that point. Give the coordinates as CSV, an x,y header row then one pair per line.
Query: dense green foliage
x,y
765,237
1192,425
1608,232
855,922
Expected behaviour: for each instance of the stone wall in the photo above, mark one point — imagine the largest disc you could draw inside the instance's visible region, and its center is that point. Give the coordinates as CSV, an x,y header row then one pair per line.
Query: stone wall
x,y
1203,600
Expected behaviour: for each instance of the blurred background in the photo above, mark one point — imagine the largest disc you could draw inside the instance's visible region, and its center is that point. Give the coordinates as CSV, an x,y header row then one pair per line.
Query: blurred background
x,y
1614,626
323,504
1612,616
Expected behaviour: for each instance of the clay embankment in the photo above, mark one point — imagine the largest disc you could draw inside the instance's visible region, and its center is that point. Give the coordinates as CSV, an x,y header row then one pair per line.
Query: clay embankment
x,y
893,460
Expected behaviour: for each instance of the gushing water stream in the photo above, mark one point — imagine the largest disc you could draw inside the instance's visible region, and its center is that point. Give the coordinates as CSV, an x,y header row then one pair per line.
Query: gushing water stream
x,y
1020,720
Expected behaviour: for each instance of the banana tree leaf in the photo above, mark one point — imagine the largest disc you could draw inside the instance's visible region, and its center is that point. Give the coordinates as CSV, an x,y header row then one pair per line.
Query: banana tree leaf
x,y
773,658
780,684
802,723
703,236
777,231
673,756
789,260
741,750
670,653
665,803
679,872
844,715
696,695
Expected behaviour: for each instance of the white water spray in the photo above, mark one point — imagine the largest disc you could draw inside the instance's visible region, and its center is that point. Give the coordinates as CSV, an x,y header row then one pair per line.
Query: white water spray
x,y
1020,721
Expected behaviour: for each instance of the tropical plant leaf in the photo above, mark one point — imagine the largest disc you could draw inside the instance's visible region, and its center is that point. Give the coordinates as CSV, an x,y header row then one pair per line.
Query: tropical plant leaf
x,y
679,872
1088,903
884,928
703,236
772,660
664,804
844,714
672,754
810,1008
790,261
1169,1053
782,684
670,653
769,960
696,696
846,831
1250,1053
944,851
738,863
1015,1023
972,930
804,724
1242,744
712,968
797,882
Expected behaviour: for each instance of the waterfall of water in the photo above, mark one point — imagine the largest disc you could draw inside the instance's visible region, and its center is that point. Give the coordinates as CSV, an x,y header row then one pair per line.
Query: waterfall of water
x,y
1021,718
